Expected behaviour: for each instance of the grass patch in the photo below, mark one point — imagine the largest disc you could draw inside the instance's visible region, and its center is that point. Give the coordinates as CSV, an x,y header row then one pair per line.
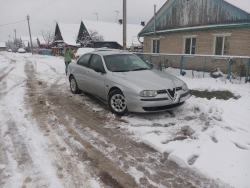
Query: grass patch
x,y
224,95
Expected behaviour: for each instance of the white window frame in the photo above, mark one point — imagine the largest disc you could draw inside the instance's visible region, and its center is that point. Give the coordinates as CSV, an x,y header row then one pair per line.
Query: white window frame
x,y
223,43
184,43
152,44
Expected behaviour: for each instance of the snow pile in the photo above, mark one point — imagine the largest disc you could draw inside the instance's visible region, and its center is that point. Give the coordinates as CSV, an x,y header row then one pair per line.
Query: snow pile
x,y
209,136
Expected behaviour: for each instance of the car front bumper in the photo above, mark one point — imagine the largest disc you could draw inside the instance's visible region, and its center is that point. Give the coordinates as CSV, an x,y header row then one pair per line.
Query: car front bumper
x,y
161,102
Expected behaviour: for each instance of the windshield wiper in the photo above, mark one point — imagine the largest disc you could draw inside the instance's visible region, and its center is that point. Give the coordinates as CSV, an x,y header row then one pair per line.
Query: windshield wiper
x,y
140,69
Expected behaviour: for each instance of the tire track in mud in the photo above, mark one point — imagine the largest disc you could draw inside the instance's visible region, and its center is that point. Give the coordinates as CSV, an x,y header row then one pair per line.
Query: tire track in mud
x,y
69,170
93,159
6,74
127,154
18,153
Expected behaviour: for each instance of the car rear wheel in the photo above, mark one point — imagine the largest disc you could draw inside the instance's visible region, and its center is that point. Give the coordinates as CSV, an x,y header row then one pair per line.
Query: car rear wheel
x,y
73,85
117,102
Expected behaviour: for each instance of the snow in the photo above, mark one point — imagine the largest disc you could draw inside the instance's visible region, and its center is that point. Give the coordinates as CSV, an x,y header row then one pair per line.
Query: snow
x,y
81,51
2,44
221,139
26,40
113,32
69,32
216,142
41,40
13,115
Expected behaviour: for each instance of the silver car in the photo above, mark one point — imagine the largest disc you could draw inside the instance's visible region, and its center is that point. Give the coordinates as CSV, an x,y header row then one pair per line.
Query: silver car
x,y
126,83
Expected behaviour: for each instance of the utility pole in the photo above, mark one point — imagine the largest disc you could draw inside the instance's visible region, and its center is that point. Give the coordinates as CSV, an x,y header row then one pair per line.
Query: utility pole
x,y
96,16
154,19
28,18
15,34
124,24
116,16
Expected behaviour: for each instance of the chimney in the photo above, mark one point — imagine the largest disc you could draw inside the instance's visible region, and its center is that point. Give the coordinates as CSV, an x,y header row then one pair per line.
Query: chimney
x,y
142,23
120,21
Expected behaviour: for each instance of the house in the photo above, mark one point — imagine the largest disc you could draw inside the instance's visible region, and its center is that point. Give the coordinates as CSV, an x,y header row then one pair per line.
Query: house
x,y
2,46
41,42
26,41
66,33
109,34
212,27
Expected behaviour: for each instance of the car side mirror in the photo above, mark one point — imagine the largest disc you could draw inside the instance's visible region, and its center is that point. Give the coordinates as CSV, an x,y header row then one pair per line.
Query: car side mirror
x,y
151,66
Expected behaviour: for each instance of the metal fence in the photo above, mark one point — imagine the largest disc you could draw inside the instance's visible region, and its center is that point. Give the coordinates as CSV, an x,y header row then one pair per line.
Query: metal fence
x,y
231,67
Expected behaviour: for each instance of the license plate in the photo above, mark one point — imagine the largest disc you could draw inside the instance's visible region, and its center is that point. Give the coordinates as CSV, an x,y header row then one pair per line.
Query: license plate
x,y
182,99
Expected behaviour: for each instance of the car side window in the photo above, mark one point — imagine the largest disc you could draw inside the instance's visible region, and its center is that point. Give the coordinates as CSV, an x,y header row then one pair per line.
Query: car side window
x,y
96,62
84,60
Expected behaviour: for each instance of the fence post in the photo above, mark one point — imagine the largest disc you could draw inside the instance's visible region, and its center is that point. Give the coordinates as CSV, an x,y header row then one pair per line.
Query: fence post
x,y
181,64
229,67
204,67
150,58
247,70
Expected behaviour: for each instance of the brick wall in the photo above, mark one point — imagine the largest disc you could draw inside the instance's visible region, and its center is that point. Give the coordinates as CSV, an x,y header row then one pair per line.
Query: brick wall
x,y
173,43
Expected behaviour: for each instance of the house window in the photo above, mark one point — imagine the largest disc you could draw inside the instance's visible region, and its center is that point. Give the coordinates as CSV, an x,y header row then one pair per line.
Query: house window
x,y
222,44
155,45
190,43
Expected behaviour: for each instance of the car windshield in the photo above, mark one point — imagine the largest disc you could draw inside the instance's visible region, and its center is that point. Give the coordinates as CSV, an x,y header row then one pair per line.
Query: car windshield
x,y
125,63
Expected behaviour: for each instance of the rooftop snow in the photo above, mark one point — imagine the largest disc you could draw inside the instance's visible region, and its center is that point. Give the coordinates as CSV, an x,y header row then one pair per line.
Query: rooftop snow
x,y
26,40
41,40
2,44
69,32
114,31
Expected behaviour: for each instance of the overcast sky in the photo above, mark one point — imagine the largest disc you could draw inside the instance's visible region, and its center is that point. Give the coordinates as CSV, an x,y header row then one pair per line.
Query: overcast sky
x,y
44,13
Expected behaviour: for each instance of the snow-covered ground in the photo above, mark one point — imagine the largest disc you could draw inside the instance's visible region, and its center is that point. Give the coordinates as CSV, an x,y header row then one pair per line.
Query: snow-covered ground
x,y
211,137
30,162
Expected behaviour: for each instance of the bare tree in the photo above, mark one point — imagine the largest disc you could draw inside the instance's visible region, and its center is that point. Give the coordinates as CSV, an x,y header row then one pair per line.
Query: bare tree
x,y
95,36
48,37
90,37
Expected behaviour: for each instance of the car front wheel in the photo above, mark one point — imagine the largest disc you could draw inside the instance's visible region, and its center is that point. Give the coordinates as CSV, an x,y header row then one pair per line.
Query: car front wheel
x,y
117,102
73,85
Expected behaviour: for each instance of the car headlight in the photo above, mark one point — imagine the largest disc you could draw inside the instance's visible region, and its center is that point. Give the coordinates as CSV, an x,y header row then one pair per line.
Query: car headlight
x,y
148,93
184,87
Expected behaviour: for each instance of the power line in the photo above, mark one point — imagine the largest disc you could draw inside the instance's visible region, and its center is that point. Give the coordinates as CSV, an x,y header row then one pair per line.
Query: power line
x,y
45,5
40,22
39,6
13,23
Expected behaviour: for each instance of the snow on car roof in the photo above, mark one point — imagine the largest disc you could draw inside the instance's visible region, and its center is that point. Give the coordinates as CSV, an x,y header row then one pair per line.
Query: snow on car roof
x,y
82,51
69,32
111,52
112,31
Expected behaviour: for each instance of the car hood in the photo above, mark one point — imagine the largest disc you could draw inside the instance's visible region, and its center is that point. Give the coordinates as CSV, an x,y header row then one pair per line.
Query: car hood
x,y
150,79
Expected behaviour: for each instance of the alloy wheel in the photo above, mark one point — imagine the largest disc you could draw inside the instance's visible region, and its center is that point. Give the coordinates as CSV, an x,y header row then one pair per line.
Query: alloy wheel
x,y
118,103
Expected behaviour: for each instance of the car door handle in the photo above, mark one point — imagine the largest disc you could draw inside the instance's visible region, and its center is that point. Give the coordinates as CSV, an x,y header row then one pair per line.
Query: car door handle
x,y
88,72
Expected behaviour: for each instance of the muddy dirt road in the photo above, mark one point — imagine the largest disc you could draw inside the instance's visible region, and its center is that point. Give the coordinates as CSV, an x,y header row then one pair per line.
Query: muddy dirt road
x,y
57,140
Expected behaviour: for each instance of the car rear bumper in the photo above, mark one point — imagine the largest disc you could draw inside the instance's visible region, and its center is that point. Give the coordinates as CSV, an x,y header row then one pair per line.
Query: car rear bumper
x,y
155,104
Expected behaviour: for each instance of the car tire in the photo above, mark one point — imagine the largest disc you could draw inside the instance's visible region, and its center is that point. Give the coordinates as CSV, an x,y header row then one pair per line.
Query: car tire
x,y
73,85
117,103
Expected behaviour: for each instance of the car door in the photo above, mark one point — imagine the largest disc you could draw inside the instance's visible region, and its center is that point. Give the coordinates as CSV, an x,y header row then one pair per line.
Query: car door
x,y
96,80
81,71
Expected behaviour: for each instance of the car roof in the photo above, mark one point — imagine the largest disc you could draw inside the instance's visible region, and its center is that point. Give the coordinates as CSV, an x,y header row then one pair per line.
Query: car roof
x,y
110,52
